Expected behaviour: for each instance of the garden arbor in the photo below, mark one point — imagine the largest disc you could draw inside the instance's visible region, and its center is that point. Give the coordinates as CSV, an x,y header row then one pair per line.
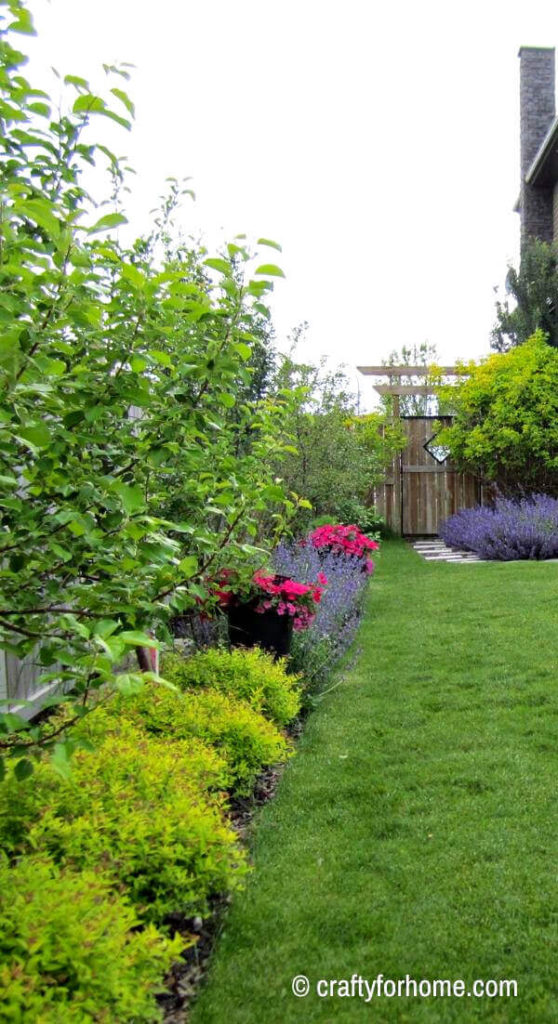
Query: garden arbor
x,y
422,486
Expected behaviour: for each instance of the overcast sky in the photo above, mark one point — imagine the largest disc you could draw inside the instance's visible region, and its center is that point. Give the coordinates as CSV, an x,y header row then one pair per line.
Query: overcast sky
x,y
378,143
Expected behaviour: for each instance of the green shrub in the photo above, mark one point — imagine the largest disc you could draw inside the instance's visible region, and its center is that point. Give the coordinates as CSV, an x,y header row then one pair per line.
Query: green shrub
x,y
505,427
251,675
125,718
350,510
239,733
70,952
135,807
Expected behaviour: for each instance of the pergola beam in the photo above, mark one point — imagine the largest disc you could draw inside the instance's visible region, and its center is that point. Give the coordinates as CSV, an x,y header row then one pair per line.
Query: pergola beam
x,y
403,389
407,371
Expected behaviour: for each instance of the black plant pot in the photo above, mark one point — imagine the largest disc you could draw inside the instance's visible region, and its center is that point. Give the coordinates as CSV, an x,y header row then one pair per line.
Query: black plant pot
x,y
248,628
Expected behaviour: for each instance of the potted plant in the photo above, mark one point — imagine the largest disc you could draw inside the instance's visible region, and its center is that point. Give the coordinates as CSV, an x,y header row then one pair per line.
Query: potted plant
x,y
266,612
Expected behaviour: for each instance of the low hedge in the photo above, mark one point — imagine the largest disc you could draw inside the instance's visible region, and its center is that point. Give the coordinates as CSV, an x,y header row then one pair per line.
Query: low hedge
x,y
70,950
242,736
134,806
251,675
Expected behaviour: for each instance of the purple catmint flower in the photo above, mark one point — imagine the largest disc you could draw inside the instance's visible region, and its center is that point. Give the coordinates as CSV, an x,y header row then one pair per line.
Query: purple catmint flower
x,y
338,614
510,530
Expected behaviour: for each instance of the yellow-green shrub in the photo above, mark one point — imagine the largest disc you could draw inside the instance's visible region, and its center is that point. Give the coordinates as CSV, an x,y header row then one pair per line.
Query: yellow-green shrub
x,y
70,952
240,734
136,808
250,674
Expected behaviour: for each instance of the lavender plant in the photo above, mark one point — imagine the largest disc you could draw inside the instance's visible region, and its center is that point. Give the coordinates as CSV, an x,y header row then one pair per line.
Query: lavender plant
x,y
316,650
510,530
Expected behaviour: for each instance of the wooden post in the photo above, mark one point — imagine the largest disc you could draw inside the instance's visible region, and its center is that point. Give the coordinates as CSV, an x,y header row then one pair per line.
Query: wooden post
x,y
397,506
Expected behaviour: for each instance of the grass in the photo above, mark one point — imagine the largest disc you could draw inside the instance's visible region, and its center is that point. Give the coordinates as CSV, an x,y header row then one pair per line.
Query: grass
x,y
415,832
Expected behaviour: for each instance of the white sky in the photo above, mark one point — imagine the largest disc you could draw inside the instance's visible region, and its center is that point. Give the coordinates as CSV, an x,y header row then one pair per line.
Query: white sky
x,y
378,143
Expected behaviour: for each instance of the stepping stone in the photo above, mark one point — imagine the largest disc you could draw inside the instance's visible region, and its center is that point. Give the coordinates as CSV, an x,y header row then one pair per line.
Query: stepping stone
x,y
438,551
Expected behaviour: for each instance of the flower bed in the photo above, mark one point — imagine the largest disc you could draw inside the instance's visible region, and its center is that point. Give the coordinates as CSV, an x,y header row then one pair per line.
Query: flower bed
x,y
341,554
526,528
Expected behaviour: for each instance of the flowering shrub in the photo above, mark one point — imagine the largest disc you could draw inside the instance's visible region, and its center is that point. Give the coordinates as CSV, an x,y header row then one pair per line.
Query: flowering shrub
x,y
276,592
508,531
344,540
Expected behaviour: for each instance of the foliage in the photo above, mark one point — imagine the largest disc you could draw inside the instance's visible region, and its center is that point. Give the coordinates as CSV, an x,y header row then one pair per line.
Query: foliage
x,y
534,291
250,675
352,511
317,651
339,455
70,949
506,419
236,731
124,378
508,531
135,807
425,355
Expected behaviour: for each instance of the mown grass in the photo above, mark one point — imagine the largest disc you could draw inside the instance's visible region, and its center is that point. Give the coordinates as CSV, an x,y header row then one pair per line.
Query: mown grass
x,y
415,832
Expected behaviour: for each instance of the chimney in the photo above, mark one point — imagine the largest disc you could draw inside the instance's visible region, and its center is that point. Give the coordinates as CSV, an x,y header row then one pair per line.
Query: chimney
x,y
537,113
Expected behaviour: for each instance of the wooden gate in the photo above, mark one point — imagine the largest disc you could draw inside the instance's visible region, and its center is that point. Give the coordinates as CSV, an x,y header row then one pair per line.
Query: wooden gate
x,y
430,487
423,487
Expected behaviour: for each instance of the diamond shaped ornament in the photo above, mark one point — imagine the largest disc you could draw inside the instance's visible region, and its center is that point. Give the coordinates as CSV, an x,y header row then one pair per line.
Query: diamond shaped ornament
x,y
439,452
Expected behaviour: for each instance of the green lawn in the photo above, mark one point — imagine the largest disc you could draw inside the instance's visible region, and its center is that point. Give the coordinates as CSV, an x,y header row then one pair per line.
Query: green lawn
x,y
416,830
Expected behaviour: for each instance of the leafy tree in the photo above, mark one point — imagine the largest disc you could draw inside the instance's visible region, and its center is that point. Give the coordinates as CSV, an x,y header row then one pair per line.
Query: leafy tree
x,y
425,355
119,373
506,419
338,455
533,290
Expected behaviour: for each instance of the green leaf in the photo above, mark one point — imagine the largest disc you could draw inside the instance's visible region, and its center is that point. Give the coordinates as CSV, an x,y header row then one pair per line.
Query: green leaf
x,y
273,492
110,220
23,769
227,399
131,496
125,99
133,275
40,211
129,683
37,435
77,82
60,758
42,109
160,357
51,367
135,638
89,104
188,566
217,264
105,627
72,418
23,23
244,351
270,270
2,769
270,243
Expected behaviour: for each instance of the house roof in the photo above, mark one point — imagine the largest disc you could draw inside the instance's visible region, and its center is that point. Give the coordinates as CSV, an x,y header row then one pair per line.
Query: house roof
x,y
544,169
